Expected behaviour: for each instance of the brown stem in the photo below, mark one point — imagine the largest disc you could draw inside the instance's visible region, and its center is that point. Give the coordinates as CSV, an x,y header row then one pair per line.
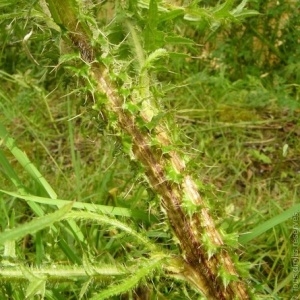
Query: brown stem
x,y
200,268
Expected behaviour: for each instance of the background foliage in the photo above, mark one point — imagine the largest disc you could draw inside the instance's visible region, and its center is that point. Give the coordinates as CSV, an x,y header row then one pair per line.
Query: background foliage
x,y
234,91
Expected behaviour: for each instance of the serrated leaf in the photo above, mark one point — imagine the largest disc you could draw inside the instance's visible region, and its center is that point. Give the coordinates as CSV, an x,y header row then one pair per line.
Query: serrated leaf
x,y
176,39
173,14
36,287
85,287
173,175
157,54
178,55
130,282
153,37
67,57
154,121
196,14
226,276
131,107
153,14
210,246
223,10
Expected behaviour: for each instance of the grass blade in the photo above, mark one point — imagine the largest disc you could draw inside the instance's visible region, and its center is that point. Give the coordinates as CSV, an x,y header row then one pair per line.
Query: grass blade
x,y
34,225
258,230
10,173
104,209
25,162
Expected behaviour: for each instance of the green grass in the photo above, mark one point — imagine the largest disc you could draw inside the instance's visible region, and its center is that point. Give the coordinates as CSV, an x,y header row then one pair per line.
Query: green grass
x,y
242,140
242,151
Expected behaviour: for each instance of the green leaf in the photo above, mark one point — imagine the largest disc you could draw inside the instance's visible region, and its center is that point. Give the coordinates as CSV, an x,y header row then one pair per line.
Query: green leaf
x,y
260,156
152,36
32,170
36,287
246,13
178,55
104,209
157,54
153,14
85,287
222,11
10,249
68,57
131,107
240,7
4,3
11,15
226,276
34,225
173,175
13,177
240,12
10,173
25,162
82,215
197,14
155,121
151,26
260,229
130,282
177,39
170,15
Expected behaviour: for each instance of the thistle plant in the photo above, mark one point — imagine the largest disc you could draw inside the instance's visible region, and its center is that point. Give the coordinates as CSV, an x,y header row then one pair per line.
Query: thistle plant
x,y
120,78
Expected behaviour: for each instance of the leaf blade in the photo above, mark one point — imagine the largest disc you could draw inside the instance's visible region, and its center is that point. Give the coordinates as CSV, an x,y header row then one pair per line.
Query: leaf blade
x,y
34,225
262,228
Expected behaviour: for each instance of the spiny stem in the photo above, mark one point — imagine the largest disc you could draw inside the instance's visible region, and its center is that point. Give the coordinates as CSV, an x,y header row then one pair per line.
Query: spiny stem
x,y
212,272
60,272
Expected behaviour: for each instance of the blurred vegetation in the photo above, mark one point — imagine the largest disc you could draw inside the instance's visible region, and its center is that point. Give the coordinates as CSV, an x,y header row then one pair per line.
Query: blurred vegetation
x,y
233,88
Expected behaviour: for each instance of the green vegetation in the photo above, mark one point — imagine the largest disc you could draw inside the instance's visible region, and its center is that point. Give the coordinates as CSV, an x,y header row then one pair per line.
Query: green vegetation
x,y
84,212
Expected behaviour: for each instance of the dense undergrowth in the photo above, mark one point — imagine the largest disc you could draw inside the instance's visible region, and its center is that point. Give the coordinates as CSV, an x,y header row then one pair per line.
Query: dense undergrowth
x,y
232,89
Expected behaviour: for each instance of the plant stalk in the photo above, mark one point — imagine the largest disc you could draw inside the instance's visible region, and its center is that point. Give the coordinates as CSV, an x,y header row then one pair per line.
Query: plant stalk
x,y
203,269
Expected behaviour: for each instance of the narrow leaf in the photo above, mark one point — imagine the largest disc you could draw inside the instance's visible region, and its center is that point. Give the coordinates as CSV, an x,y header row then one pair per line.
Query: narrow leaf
x,y
246,13
34,225
10,173
104,209
260,229
25,162
223,10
